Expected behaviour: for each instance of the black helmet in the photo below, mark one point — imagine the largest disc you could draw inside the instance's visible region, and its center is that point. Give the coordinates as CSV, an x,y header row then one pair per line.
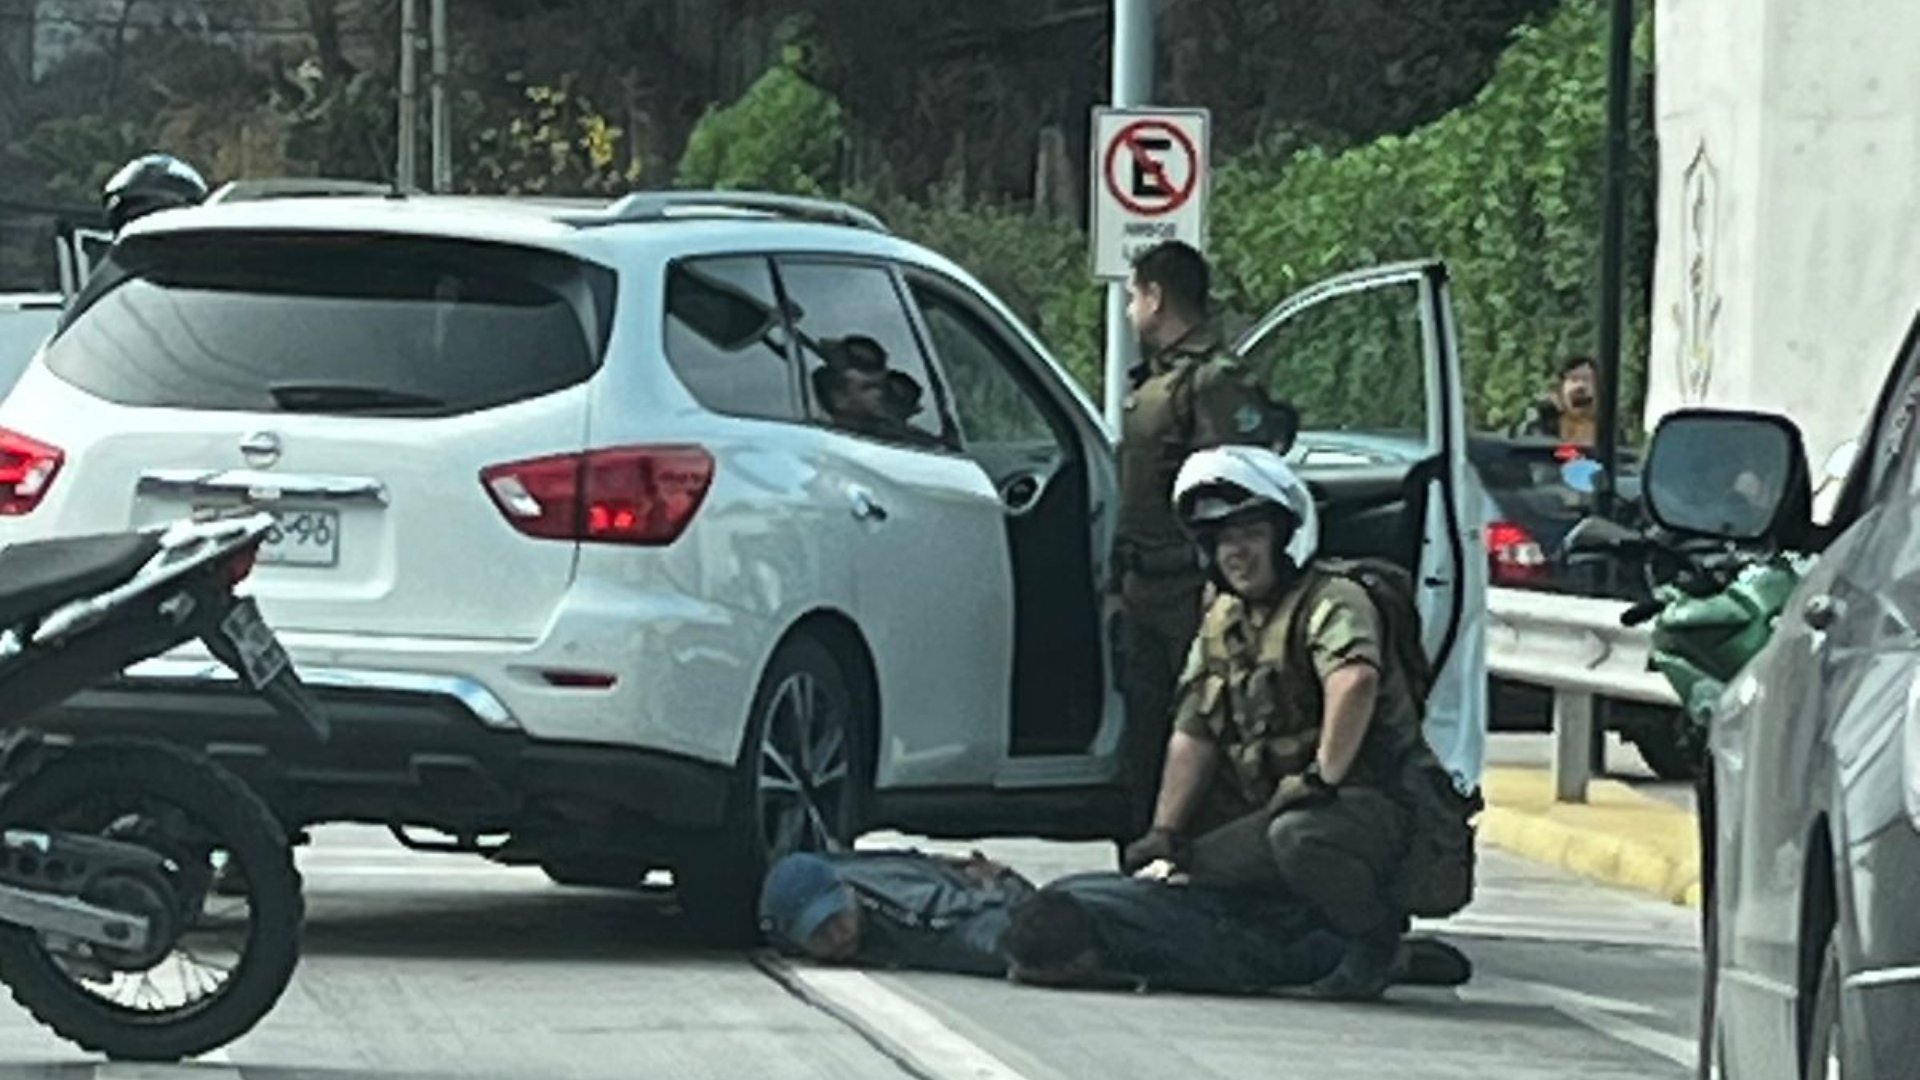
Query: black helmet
x,y
149,183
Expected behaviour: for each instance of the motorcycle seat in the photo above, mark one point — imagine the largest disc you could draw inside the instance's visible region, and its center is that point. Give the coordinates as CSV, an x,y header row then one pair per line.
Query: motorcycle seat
x,y
40,575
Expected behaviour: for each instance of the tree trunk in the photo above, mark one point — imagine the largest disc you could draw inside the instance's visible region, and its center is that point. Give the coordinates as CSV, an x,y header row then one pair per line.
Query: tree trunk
x,y
325,21
16,60
1055,196
112,89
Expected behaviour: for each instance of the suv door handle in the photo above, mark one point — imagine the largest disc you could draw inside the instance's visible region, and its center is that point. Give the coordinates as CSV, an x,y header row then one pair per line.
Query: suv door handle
x,y
1823,611
864,508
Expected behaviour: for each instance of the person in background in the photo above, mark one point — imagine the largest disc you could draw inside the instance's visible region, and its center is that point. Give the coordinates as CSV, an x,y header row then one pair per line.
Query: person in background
x,y
1570,413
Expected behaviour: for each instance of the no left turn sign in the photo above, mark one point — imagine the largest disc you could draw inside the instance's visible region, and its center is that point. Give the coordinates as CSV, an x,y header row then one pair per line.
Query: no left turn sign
x,y
1149,183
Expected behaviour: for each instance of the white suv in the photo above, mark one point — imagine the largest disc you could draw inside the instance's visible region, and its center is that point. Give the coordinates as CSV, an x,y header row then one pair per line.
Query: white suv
x,y
665,533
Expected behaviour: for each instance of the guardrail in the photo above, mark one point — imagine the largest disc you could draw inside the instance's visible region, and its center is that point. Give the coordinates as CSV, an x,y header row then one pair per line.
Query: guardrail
x,y
1575,646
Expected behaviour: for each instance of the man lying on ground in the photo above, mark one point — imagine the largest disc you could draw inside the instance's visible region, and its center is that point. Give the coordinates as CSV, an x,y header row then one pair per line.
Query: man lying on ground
x,y
974,916
901,909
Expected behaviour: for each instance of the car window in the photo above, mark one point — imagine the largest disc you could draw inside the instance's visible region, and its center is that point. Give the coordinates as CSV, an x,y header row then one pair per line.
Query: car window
x,y
333,323
864,370
22,330
726,338
989,399
1355,361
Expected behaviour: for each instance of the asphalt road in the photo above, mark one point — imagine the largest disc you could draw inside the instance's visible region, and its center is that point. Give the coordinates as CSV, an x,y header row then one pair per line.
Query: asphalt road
x,y
423,967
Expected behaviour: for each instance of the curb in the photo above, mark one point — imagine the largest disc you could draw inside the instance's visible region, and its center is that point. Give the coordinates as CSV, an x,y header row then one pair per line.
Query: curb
x,y
1606,840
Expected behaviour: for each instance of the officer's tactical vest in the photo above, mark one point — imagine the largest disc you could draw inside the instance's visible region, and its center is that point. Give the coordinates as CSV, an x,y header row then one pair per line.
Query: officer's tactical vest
x,y
1277,703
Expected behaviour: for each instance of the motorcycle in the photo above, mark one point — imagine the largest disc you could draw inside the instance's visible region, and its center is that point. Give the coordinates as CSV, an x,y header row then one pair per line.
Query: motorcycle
x,y
149,905
1713,607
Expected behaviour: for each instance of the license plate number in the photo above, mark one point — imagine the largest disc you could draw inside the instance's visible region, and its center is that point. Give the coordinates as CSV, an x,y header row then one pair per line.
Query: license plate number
x,y
302,538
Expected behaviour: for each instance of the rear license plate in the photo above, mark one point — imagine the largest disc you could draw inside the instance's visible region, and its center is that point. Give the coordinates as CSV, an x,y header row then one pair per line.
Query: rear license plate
x,y
302,538
262,658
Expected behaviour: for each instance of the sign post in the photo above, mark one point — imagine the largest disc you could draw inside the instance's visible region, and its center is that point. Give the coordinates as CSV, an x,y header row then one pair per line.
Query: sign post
x,y
1132,86
1149,179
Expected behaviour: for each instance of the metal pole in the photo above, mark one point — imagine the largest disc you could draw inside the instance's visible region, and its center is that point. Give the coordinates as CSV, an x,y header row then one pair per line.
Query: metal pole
x,y
1572,745
442,150
1613,227
1132,86
404,168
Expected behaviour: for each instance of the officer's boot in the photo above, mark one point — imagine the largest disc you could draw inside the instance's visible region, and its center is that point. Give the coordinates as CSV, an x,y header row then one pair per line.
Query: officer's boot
x,y
1431,962
1365,972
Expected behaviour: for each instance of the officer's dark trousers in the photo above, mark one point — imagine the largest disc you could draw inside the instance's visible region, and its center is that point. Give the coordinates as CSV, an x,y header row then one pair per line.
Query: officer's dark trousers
x,y
1339,856
1162,618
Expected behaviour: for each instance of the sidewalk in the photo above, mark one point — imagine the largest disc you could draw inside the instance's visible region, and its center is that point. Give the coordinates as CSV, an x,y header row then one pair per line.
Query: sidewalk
x,y
1619,836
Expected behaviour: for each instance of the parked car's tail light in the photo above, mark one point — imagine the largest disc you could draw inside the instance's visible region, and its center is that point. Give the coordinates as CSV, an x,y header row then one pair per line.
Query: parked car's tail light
x,y
27,469
644,495
1514,557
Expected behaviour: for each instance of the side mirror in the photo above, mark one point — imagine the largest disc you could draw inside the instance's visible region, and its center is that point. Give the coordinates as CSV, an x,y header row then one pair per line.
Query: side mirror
x,y
1739,476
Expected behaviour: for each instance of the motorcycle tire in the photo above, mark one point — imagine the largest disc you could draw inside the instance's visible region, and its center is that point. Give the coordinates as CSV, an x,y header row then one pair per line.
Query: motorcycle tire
x,y
239,823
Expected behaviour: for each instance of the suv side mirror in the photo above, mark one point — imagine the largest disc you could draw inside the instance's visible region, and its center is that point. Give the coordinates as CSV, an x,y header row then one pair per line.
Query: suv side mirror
x,y
1738,476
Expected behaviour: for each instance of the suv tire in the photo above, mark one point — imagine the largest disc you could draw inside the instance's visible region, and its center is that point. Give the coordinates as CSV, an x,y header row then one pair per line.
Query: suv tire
x,y
797,787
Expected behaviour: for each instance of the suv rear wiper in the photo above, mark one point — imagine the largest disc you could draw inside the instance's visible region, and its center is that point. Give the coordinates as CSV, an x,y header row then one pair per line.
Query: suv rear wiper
x,y
319,397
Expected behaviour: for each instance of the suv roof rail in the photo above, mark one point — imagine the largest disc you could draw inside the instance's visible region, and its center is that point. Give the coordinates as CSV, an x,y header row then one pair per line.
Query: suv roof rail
x,y
297,187
663,205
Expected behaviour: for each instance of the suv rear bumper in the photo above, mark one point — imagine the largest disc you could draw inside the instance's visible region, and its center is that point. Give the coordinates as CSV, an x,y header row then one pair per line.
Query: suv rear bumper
x,y
405,749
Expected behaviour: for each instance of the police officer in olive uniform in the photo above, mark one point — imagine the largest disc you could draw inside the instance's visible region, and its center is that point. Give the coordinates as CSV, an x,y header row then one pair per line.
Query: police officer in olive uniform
x,y
1293,726
1188,394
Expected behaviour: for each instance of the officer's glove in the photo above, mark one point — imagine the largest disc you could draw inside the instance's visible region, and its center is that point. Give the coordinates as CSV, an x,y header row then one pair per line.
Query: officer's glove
x,y
1300,791
1157,844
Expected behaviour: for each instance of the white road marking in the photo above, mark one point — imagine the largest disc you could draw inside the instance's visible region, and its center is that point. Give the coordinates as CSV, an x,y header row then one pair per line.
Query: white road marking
x,y
1495,988
1679,1050
1607,1015
914,1036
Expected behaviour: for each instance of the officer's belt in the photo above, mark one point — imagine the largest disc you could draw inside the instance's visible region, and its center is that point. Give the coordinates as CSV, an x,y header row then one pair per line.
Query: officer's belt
x,y
1173,561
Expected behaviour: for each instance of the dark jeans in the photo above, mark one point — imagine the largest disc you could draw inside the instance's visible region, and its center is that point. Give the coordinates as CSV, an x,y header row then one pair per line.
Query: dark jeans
x,y
1338,856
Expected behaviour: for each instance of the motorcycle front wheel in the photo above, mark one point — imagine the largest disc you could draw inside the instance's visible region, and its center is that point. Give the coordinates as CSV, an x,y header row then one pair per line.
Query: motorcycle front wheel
x,y
226,953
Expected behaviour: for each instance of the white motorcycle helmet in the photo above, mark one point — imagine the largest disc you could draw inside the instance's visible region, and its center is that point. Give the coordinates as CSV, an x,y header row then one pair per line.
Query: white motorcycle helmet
x,y
1225,484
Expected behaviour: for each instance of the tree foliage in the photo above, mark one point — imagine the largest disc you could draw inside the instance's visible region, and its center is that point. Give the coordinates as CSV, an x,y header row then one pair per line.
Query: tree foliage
x,y
784,134
1507,189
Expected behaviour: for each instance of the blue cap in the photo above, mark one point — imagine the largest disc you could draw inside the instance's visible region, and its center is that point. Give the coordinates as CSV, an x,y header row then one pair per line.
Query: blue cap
x,y
802,891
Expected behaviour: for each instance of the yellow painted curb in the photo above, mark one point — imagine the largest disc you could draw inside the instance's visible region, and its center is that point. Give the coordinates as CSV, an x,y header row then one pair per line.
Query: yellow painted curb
x,y
1618,836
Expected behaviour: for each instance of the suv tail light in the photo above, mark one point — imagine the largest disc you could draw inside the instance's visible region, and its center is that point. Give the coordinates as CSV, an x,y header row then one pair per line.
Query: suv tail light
x,y
644,495
27,469
1514,557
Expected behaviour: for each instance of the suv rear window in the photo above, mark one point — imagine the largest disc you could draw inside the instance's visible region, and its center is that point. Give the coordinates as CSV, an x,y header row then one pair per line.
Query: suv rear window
x,y
333,323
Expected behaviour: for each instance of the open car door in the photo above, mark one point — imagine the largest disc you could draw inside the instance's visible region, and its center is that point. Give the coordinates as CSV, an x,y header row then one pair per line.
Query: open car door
x,y
1371,361
77,250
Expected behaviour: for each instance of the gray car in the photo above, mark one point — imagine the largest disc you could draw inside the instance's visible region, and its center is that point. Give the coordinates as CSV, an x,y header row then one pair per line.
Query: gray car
x,y
1815,965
